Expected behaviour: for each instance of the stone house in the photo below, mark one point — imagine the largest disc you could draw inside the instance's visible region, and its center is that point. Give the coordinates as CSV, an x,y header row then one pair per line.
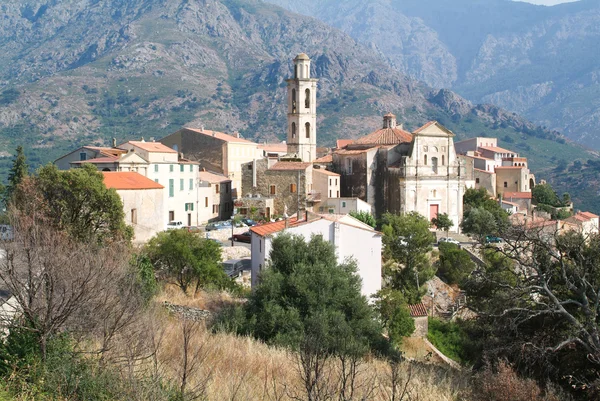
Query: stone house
x,y
397,171
326,183
419,314
85,153
215,151
587,222
288,183
351,238
143,201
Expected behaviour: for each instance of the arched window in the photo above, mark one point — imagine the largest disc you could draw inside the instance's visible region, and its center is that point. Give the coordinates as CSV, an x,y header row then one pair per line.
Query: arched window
x,y
425,159
295,72
306,75
293,130
307,99
443,160
293,100
307,130
434,164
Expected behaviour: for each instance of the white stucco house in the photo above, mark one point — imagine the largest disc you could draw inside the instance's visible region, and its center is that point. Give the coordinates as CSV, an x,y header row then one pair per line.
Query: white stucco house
x,y
143,202
351,238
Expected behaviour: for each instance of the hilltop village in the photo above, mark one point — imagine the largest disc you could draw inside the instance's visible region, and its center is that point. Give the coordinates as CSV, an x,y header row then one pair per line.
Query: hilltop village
x,y
197,175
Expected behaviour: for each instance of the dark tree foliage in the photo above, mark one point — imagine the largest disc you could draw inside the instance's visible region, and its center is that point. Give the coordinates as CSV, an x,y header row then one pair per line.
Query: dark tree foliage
x,y
75,201
408,241
394,314
306,299
454,264
482,214
18,172
365,217
186,258
442,222
538,300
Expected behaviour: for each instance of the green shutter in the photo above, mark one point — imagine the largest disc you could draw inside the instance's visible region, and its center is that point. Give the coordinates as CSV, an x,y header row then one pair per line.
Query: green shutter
x,y
181,184
171,188
191,184
181,167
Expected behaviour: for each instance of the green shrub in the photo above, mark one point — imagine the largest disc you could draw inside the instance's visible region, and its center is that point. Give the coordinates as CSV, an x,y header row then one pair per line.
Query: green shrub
x,y
450,338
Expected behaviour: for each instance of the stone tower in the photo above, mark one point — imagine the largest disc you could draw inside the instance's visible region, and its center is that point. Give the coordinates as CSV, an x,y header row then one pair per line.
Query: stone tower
x,y
302,111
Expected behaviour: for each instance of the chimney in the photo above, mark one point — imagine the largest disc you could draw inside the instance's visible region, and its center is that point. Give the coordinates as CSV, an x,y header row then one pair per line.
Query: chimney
x,y
236,134
202,128
152,139
213,133
114,142
389,121
143,139
287,223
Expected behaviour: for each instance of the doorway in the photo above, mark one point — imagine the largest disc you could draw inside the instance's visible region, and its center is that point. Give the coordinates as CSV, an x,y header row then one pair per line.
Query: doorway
x,y
433,211
189,220
171,215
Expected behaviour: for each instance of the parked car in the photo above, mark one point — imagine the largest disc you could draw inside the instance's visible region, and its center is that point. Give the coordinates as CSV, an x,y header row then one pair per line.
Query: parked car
x,y
218,225
234,267
490,239
448,240
243,237
249,222
173,225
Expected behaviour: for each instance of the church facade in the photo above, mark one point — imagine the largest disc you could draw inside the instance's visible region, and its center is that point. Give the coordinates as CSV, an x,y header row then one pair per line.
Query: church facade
x,y
399,172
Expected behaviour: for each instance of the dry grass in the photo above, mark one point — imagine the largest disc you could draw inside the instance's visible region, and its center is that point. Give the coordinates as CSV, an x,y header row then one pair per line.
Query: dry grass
x,y
212,301
241,368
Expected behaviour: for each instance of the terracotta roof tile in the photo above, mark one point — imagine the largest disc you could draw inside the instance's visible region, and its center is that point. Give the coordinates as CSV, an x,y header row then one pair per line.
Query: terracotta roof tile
x,y
98,160
342,143
482,171
272,228
588,215
213,178
274,147
219,135
281,166
516,195
426,125
352,151
509,167
326,172
496,149
153,147
417,310
128,180
324,159
385,136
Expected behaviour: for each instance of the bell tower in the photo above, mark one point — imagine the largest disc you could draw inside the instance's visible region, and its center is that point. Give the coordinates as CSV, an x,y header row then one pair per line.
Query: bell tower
x,y
302,111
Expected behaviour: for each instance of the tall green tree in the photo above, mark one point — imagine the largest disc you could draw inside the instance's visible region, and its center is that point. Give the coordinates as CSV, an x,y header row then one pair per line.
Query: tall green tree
x,y
408,241
18,172
307,299
454,264
442,222
75,201
394,314
187,259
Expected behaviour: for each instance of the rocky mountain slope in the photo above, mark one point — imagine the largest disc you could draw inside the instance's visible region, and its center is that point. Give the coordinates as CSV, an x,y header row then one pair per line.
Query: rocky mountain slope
x,y
77,72
542,62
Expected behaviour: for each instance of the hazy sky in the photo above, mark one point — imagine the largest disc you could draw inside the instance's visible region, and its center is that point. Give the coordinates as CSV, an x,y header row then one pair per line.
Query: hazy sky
x,y
547,2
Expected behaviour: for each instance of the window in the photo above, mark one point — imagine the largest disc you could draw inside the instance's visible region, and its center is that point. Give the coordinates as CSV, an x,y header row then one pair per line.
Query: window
x,y
336,181
260,248
348,166
156,168
476,180
171,215
307,99
250,166
331,211
191,168
170,168
434,164
343,203
293,101
293,130
272,189
425,159
191,184
189,207
82,156
215,208
206,201
156,180
293,188
181,167
217,188
443,160
181,185
321,209
244,210
330,193
307,126
133,216
171,187
505,184
338,194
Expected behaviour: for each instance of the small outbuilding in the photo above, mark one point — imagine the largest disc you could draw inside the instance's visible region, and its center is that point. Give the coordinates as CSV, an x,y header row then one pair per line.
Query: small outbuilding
x,y
419,314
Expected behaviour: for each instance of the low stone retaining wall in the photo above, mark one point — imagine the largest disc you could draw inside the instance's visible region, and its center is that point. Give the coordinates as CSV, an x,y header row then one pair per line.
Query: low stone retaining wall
x,y
187,312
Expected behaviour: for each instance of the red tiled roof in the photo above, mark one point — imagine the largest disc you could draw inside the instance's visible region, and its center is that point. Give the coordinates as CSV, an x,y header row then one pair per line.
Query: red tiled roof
x,y
417,310
280,166
272,228
106,151
326,172
482,171
426,125
153,147
352,151
213,178
385,136
496,149
509,167
128,180
478,157
342,143
517,195
324,159
274,147
219,135
588,215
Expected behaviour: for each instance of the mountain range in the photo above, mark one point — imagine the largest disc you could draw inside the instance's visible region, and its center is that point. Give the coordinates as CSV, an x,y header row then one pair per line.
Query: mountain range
x,y
540,62
76,72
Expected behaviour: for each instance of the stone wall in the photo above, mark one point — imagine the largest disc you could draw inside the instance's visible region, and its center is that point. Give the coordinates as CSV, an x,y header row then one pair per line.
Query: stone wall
x,y
421,326
205,149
